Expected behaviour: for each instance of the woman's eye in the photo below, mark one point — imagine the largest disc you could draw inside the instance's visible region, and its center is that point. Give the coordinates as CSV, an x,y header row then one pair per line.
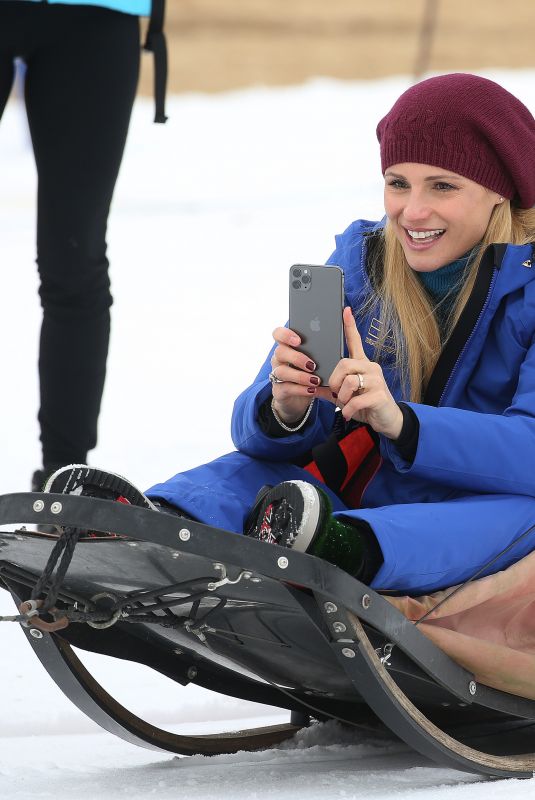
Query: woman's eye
x,y
397,183
444,187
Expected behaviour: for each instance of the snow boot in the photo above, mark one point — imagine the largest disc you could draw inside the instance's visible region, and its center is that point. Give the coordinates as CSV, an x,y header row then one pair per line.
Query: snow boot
x,y
297,514
91,482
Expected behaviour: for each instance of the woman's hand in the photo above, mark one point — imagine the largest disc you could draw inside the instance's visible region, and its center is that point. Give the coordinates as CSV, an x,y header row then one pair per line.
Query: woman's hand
x,y
361,389
294,383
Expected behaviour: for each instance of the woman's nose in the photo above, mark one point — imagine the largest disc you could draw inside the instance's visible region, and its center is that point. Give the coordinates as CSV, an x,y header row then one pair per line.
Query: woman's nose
x,y
416,207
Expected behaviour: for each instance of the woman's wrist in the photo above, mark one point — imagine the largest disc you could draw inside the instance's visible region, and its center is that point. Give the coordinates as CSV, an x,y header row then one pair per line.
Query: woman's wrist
x,y
396,426
288,418
292,425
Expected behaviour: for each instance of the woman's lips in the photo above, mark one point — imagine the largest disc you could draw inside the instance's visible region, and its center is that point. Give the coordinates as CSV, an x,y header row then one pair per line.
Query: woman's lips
x,y
423,239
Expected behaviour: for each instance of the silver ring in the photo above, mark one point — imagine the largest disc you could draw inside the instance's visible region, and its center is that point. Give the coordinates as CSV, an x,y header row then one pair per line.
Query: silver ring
x,y
361,381
273,378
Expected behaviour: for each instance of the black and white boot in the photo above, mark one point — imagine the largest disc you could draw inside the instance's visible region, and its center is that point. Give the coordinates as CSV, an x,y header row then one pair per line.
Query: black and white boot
x,y
91,482
291,514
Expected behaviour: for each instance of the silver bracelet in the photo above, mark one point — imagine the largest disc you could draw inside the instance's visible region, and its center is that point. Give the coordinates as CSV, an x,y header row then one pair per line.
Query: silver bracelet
x,y
287,427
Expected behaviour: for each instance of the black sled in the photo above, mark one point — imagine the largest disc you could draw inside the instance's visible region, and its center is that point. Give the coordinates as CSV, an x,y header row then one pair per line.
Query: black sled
x,y
252,621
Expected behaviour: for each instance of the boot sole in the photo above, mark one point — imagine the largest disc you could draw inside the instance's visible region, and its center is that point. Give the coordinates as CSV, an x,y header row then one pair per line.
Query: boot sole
x,y
307,504
81,475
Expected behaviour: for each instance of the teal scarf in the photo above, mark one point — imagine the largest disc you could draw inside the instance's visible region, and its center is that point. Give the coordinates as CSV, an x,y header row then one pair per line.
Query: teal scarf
x,y
443,286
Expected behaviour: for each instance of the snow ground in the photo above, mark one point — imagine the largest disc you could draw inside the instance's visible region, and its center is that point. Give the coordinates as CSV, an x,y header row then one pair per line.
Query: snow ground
x,y
209,213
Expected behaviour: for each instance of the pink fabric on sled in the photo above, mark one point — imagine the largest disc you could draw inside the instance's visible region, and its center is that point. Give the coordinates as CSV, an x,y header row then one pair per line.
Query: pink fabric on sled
x,y
488,626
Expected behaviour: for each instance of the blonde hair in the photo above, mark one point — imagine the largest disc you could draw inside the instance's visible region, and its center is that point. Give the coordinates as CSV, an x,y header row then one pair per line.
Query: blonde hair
x,y
409,327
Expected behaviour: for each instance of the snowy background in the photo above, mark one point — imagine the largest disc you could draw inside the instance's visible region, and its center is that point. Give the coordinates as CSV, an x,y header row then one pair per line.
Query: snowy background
x,y
209,213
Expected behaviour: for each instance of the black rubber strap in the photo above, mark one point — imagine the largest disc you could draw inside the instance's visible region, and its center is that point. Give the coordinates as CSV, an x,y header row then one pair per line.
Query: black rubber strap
x,y
155,43
331,462
492,259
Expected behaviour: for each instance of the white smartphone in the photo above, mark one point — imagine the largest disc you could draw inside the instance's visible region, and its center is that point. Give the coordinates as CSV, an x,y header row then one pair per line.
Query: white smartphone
x,y
316,306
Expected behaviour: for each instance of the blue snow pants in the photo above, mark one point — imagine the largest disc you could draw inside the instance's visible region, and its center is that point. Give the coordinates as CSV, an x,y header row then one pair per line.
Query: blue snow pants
x,y
426,546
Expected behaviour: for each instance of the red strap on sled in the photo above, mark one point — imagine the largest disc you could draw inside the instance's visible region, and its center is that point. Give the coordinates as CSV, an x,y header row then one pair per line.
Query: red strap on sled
x,y
347,465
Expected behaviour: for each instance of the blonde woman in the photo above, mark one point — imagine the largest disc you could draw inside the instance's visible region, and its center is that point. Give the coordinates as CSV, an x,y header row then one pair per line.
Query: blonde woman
x,y
415,466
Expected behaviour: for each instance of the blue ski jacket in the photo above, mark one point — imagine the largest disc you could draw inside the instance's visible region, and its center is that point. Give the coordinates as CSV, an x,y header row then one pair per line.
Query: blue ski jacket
x,y
470,490
480,433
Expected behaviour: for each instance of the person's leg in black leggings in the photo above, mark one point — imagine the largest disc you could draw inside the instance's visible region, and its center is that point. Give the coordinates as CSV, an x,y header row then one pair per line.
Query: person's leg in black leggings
x,y
7,74
80,88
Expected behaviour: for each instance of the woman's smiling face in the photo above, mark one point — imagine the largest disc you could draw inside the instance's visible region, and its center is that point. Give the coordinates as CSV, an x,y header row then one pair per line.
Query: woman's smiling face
x,y
436,214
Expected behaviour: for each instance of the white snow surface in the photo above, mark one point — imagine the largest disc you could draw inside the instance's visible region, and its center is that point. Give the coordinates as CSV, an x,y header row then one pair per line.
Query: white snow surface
x,y
209,213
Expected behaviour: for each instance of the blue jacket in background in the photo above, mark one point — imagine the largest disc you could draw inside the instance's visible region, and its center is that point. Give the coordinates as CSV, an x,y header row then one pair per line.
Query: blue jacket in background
x,y
470,490
139,7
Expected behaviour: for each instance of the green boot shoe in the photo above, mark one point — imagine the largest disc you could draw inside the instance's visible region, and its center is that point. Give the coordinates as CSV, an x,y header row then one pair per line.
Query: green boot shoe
x,y
297,514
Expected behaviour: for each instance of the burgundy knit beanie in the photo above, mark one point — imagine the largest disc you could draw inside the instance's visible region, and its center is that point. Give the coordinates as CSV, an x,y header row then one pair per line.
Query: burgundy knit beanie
x,y
469,125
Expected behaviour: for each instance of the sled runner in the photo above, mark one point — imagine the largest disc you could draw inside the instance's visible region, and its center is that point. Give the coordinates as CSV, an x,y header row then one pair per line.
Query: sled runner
x,y
252,621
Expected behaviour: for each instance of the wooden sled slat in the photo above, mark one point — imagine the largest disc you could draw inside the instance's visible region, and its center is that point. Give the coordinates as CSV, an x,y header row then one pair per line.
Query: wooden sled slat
x,y
407,721
74,680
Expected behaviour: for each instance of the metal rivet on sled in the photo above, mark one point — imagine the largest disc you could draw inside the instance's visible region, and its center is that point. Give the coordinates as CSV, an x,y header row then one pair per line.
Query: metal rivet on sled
x,y
184,534
339,627
38,505
282,562
472,687
56,508
348,652
330,608
37,634
192,673
366,601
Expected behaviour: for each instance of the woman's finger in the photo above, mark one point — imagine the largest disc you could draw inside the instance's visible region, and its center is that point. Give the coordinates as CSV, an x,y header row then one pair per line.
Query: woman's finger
x,y
356,383
286,373
286,336
345,367
284,354
354,342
